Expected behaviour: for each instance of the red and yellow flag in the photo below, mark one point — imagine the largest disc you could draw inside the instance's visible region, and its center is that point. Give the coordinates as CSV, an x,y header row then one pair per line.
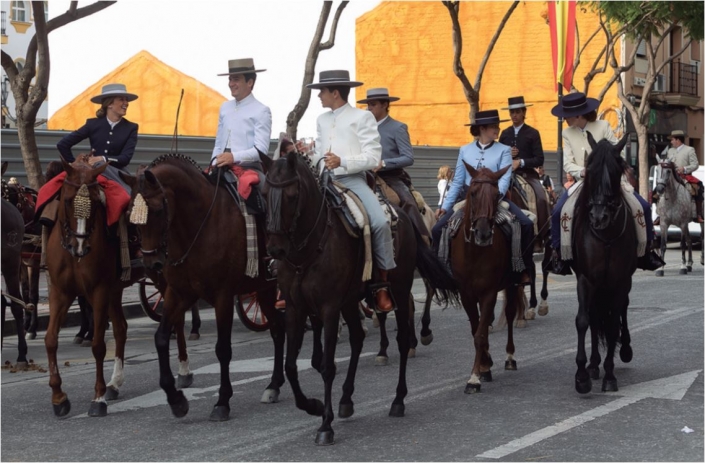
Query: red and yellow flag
x,y
561,17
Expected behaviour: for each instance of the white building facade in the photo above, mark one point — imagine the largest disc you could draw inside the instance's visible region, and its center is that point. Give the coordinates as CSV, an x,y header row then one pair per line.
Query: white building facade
x,y
17,31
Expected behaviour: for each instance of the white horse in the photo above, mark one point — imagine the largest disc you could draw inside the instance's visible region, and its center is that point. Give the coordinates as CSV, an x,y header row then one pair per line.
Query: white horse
x,y
674,207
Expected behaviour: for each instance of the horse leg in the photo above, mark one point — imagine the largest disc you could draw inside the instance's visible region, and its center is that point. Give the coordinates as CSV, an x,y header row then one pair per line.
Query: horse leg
x,y
295,321
625,351
612,332
514,297
470,305
277,330
195,324
664,242
382,358
398,407
583,384
175,398
223,349
85,327
317,355
483,359
689,242
33,297
12,282
120,334
357,335
683,270
413,341
593,367
543,306
101,301
185,378
426,333
530,314
27,311
58,308
330,338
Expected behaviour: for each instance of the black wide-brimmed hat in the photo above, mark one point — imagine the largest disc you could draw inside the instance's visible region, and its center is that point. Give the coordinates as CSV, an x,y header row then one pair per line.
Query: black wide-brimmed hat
x,y
338,78
374,94
517,102
241,66
489,117
575,104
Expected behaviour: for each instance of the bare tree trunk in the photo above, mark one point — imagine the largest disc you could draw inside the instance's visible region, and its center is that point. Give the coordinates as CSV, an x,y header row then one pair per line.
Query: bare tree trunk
x,y
294,117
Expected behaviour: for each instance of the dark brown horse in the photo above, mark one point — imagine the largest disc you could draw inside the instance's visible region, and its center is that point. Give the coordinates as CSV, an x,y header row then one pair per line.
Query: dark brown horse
x,y
83,259
12,232
604,250
480,258
195,236
320,273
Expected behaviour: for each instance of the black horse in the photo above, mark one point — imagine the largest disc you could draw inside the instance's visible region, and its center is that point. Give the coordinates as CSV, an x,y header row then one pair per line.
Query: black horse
x,y
12,233
604,247
320,273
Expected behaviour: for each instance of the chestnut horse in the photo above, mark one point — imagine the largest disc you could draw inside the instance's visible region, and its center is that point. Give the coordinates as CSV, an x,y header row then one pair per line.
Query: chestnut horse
x,y
604,251
83,258
480,258
194,235
320,273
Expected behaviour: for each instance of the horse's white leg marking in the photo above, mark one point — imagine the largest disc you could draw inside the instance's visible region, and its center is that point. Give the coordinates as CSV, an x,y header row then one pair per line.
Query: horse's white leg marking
x,y
118,374
80,230
184,369
474,379
510,357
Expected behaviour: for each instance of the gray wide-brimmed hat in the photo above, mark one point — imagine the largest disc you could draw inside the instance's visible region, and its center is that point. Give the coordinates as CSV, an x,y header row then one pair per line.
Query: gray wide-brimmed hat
x,y
113,90
241,66
676,133
575,104
338,78
516,102
488,117
375,94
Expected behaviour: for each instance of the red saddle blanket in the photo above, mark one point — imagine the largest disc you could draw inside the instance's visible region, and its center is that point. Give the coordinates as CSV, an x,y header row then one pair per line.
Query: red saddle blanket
x,y
689,178
116,198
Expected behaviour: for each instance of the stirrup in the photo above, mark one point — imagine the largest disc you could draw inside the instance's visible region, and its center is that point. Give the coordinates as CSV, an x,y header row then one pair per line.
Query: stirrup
x,y
371,296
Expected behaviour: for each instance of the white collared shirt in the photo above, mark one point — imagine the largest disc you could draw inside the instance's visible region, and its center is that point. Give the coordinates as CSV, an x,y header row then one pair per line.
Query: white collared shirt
x,y
517,129
245,127
382,120
113,124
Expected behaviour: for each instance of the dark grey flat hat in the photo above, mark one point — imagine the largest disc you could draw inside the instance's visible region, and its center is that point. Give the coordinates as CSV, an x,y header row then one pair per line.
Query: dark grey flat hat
x,y
334,78
113,90
241,66
517,102
489,117
380,93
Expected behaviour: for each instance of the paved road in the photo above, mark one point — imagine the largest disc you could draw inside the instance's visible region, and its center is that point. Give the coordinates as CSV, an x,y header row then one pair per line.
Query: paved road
x,y
532,414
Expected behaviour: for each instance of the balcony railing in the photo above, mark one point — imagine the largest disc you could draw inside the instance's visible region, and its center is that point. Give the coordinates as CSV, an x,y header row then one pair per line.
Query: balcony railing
x,y
684,79
4,23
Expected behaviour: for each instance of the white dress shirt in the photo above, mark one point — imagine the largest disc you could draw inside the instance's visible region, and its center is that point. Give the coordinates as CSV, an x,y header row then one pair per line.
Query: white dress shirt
x,y
245,127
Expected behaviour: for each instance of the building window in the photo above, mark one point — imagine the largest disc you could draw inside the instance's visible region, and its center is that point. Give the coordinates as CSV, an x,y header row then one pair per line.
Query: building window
x,y
18,11
641,49
4,24
695,50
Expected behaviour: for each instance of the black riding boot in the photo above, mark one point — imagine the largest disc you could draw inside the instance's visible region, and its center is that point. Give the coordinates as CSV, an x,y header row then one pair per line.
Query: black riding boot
x,y
559,266
650,260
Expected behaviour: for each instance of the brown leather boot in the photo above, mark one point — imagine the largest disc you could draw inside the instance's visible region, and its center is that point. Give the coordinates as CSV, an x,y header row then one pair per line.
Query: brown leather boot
x,y
382,299
699,210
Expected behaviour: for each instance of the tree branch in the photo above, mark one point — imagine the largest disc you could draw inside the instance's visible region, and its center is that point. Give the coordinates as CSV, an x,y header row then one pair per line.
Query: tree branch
x,y
490,47
453,10
334,26
672,58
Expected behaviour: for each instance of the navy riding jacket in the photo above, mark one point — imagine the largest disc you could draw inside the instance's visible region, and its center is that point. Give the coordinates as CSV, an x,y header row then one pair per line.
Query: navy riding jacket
x,y
116,144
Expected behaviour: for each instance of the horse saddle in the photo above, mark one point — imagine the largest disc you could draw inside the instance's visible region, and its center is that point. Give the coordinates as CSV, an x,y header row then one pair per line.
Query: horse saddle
x,y
536,199
254,203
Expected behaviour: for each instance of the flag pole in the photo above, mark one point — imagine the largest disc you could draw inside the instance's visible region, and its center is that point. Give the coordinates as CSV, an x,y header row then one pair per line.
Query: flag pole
x,y
559,150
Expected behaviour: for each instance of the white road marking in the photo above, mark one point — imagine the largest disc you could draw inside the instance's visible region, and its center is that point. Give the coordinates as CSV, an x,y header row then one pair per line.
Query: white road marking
x,y
673,388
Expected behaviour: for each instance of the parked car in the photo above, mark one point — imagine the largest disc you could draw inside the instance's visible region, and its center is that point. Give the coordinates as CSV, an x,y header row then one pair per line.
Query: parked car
x,y
674,233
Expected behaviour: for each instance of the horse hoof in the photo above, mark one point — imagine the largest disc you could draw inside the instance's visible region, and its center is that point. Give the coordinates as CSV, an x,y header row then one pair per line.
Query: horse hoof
x,y
520,324
78,340
62,409
270,396
625,354
609,385
180,407
510,365
689,268
593,372
98,409
346,410
583,387
86,343
184,381
486,376
194,337
659,273
682,272
472,388
325,438
412,353
30,336
220,413
381,361
530,314
111,393
426,340
397,410
543,308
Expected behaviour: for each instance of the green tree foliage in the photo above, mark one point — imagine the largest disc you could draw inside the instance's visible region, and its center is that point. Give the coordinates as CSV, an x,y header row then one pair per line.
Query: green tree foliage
x,y
646,19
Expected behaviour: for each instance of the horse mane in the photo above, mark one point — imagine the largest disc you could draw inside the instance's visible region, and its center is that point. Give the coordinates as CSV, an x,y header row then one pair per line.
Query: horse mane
x,y
169,157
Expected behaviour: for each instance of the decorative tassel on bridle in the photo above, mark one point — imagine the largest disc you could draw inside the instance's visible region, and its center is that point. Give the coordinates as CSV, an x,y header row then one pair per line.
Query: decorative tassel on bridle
x,y
138,216
82,203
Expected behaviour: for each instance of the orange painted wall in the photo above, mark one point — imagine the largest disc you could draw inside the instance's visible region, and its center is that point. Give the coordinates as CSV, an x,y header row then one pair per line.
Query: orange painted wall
x,y
158,86
408,47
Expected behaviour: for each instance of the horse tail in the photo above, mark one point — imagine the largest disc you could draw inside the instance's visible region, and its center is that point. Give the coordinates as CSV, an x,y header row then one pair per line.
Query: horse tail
x,y
435,273
605,319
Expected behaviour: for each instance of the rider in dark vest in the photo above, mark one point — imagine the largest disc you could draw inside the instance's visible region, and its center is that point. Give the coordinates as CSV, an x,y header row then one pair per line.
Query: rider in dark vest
x,y
396,154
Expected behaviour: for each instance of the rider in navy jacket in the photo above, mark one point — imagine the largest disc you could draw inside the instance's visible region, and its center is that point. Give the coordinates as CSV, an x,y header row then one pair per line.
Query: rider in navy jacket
x,y
115,144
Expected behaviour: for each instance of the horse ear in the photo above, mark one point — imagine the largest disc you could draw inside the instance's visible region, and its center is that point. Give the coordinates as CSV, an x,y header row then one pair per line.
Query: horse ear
x,y
149,176
99,170
620,146
591,140
292,159
67,166
471,170
4,167
128,178
266,161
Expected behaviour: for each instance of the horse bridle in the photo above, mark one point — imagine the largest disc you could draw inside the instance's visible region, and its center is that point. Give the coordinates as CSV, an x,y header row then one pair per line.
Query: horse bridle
x,y
473,220
67,233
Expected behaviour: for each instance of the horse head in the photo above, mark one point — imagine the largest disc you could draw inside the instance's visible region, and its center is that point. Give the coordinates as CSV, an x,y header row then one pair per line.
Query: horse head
x,y
290,189
666,177
604,169
81,196
481,204
149,210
